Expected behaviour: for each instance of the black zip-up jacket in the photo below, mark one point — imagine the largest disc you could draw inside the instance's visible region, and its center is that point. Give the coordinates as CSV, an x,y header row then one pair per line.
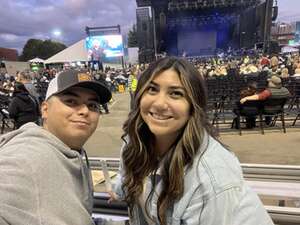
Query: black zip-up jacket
x,y
23,109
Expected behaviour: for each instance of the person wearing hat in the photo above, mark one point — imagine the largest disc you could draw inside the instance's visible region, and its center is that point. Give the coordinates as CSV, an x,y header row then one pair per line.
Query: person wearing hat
x,y
274,90
44,179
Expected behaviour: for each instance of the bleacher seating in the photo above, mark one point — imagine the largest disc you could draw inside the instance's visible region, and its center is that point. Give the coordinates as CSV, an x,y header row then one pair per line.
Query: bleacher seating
x,y
275,181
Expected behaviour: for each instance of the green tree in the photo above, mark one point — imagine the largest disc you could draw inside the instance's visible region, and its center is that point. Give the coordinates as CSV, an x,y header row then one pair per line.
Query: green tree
x,y
132,37
42,49
31,49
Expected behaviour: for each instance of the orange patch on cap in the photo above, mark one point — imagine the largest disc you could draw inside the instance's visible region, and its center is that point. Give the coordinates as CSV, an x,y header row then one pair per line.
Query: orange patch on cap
x,y
84,77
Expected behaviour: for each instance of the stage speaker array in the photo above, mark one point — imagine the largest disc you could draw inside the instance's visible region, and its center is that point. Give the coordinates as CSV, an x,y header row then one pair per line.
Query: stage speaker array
x,y
145,35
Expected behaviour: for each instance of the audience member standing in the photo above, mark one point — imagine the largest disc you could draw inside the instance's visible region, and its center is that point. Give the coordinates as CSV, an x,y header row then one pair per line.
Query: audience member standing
x,y
23,107
26,78
132,84
100,77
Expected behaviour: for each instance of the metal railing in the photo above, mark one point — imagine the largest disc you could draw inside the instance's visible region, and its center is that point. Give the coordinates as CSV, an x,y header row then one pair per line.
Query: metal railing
x,y
117,210
265,172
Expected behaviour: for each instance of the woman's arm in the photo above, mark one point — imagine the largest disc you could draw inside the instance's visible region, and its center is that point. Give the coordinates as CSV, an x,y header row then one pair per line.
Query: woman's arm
x,y
250,98
235,206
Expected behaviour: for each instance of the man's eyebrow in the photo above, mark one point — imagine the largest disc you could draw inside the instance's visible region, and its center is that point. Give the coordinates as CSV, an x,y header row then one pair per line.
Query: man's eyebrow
x,y
69,93
74,94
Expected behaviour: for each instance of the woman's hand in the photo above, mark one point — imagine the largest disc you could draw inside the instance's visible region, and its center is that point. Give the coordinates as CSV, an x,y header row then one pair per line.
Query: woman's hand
x,y
113,196
243,100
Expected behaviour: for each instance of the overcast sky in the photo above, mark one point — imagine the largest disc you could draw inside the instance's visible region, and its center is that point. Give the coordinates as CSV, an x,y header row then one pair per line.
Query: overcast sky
x,y
24,19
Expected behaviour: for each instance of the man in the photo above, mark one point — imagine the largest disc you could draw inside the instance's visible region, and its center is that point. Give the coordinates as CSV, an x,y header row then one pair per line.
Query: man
x,y
100,78
96,55
44,179
26,78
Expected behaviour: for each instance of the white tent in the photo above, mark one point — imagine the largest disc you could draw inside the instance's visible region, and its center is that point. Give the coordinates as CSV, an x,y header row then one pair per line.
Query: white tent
x,y
75,53
37,60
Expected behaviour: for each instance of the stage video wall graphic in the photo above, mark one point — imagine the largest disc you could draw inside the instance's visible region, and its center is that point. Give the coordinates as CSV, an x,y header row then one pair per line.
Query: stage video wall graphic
x,y
103,48
195,42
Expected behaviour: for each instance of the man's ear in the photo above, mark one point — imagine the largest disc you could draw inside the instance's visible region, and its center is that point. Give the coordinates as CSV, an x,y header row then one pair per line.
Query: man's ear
x,y
44,109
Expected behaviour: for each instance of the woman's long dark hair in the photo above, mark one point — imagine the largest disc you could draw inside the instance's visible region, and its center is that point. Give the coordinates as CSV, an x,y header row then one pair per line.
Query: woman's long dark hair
x,y
140,159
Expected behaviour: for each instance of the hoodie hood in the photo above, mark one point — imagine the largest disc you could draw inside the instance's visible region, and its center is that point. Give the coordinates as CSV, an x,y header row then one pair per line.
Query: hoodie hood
x,y
36,132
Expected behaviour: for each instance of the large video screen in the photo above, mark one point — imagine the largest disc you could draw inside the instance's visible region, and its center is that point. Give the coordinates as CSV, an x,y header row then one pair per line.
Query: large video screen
x,y
102,47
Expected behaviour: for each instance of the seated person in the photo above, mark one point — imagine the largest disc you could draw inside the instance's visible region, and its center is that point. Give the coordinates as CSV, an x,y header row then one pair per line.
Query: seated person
x,y
23,107
274,90
252,69
251,89
297,70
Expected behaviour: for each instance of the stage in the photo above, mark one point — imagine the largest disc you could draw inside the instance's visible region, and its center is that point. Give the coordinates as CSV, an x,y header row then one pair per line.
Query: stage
x,y
200,27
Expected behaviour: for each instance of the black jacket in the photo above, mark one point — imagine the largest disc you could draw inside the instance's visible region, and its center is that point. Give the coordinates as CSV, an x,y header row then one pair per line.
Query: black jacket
x,y
23,108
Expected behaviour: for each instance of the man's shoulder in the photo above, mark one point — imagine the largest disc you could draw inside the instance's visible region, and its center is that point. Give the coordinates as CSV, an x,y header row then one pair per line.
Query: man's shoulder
x,y
29,138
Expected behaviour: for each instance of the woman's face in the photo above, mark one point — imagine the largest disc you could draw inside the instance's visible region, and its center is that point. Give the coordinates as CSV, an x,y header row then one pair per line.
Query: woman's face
x,y
164,106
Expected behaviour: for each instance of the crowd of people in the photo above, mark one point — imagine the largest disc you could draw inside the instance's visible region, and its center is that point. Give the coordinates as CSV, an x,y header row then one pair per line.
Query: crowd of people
x,y
21,94
282,65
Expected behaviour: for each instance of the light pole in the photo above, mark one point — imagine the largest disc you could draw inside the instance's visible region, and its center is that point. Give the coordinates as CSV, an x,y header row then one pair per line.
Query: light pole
x,y
242,38
56,34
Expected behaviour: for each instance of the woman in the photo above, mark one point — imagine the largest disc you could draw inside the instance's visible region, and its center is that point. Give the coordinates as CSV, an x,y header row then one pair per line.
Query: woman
x,y
173,171
251,112
23,108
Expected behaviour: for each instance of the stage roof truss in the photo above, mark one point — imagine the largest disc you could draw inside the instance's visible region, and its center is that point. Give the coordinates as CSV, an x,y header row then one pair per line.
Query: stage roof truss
x,y
105,30
200,20
176,5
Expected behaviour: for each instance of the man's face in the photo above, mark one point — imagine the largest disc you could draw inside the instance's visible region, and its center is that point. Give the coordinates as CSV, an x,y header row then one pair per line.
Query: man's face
x,y
72,116
96,44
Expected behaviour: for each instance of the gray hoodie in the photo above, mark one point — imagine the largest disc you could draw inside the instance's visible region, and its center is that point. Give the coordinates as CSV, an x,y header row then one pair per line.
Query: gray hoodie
x,y
43,181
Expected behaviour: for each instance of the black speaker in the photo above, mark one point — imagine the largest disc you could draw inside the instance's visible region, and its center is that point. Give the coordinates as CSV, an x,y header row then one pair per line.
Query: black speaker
x,y
145,35
162,20
274,47
274,13
144,27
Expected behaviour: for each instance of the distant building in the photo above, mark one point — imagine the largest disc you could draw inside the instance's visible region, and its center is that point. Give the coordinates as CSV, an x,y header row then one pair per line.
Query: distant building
x,y
8,54
283,33
297,32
